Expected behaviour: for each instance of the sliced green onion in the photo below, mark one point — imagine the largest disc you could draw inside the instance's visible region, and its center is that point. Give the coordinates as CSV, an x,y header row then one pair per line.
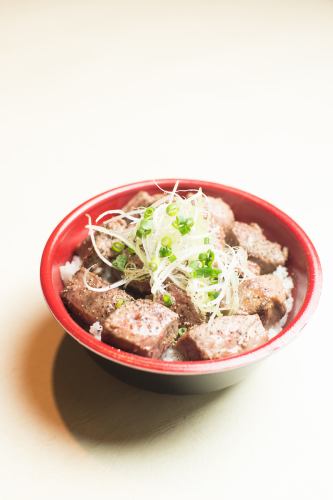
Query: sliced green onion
x,y
119,303
183,225
213,295
206,272
167,300
210,256
189,222
203,257
118,246
120,262
153,264
172,258
131,251
181,331
195,264
172,209
207,258
144,228
206,240
148,213
166,241
165,251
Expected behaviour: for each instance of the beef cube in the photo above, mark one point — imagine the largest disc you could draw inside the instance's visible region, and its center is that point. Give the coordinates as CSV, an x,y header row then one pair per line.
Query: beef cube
x,y
252,267
267,254
142,327
139,287
142,199
104,243
264,295
87,252
219,233
226,336
90,306
116,224
222,217
221,213
183,306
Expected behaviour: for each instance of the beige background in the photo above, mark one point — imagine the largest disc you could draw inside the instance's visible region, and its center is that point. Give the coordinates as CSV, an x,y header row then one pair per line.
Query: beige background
x,y
94,94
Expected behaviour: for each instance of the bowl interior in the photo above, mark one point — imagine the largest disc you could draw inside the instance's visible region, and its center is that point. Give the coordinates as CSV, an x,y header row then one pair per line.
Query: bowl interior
x,y
277,226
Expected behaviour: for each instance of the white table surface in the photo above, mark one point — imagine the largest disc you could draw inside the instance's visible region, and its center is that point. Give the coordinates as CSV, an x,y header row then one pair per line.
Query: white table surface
x,y
95,94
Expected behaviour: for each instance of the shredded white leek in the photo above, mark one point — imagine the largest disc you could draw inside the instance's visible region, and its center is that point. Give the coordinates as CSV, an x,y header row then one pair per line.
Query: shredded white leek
x,y
125,215
117,284
211,297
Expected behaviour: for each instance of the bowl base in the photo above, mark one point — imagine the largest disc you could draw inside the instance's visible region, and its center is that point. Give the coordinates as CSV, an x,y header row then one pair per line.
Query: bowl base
x,y
172,384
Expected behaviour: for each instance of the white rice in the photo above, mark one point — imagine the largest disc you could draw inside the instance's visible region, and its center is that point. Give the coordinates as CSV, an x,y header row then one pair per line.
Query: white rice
x,y
288,284
68,270
96,330
171,354
282,273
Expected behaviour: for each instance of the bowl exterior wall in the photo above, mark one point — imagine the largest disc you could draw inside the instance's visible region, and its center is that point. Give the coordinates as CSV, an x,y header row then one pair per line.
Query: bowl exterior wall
x,y
174,384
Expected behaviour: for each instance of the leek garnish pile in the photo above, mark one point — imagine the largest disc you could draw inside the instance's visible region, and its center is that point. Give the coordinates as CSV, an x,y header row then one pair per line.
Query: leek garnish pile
x,y
175,240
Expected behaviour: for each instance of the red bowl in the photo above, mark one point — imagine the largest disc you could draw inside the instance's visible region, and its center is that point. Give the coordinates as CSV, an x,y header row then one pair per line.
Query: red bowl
x,y
191,376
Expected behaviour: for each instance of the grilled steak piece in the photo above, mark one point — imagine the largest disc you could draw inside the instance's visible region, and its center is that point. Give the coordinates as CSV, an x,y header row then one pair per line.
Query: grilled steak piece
x,y
265,296
183,306
226,336
267,254
104,244
142,199
140,287
253,267
221,212
89,306
142,327
220,236
222,217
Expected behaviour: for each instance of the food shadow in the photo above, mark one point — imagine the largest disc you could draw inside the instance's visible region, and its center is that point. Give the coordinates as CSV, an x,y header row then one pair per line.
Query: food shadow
x,y
100,408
